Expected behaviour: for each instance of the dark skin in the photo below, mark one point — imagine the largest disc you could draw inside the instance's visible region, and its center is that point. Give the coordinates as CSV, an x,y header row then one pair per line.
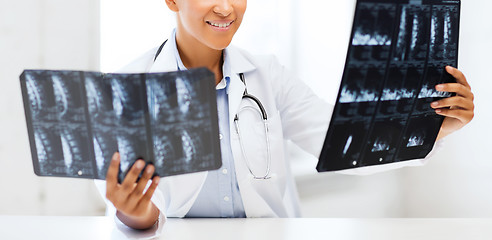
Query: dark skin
x,y
133,204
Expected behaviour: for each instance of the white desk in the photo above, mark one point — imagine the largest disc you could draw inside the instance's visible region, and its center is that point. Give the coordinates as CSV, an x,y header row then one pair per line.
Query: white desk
x,y
27,227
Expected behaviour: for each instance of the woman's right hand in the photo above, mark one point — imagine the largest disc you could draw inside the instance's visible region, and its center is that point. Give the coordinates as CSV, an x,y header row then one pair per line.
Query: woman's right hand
x,y
134,206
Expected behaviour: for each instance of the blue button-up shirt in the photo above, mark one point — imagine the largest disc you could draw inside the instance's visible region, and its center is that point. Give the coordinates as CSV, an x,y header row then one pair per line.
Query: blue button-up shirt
x,y
220,196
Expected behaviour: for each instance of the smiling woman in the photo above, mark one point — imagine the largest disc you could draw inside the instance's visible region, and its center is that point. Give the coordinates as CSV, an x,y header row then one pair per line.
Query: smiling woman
x,y
309,37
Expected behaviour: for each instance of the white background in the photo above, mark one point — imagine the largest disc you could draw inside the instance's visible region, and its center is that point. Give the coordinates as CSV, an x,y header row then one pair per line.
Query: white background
x,y
310,37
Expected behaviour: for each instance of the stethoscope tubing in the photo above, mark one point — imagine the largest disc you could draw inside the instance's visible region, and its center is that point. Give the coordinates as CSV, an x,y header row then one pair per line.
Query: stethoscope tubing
x,y
264,116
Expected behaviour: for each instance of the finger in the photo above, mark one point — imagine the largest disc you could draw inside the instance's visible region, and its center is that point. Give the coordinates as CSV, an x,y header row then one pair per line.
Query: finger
x,y
131,177
457,88
137,193
456,102
142,183
150,191
458,75
463,116
112,173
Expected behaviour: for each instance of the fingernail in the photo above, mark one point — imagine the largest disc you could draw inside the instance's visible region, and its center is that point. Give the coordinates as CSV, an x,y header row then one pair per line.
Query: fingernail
x,y
157,180
449,69
438,110
439,87
434,104
149,169
116,155
140,164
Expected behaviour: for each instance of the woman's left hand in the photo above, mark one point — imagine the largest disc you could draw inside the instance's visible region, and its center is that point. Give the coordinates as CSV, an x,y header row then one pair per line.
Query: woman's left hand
x,y
458,109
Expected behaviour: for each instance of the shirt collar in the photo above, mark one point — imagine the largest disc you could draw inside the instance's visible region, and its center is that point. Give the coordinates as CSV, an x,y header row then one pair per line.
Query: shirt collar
x,y
226,67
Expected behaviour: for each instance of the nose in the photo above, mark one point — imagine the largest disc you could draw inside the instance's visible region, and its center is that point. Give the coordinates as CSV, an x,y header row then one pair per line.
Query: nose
x,y
223,7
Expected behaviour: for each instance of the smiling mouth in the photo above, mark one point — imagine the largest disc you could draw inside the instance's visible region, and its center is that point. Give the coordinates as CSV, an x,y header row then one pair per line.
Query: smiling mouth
x,y
220,25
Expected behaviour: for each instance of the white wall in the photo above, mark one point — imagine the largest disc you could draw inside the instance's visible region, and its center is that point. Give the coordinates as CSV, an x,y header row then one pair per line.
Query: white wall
x,y
458,182
129,28
54,34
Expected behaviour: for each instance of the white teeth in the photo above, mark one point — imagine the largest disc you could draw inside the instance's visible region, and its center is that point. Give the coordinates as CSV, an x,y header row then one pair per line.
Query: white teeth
x,y
221,25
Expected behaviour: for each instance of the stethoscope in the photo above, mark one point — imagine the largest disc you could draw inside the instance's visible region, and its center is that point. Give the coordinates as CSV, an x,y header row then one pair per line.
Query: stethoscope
x,y
262,114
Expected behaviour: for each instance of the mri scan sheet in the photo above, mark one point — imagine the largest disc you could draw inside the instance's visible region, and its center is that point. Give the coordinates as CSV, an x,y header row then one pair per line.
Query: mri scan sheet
x,y
397,55
76,120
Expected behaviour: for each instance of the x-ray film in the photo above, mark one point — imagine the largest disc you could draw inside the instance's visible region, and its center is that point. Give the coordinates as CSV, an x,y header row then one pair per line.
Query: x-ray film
x,y
76,121
397,55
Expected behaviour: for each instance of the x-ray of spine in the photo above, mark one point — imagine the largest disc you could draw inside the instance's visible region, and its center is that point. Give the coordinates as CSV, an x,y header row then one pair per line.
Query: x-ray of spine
x,y
76,152
419,137
104,147
49,151
131,146
162,101
58,121
396,57
180,150
68,96
361,85
444,32
376,27
435,75
413,34
116,110
346,143
128,101
130,131
63,153
384,140
41,96
103,120
401,87
371,39
402,83
99,100
77,120
180,123
175,99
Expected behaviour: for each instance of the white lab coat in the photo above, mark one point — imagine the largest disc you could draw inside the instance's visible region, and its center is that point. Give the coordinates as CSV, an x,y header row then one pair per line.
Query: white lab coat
x,y
294,113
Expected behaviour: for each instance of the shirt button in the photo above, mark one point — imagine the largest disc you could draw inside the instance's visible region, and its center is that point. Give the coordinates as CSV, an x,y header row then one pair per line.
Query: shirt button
x,y
224,171
226,198
221,136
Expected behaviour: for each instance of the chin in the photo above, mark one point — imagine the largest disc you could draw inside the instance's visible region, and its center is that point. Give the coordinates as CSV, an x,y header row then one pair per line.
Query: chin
x,y
219,45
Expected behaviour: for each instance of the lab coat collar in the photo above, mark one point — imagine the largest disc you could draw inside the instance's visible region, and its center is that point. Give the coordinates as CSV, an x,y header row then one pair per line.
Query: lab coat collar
x,y
239,62
166,61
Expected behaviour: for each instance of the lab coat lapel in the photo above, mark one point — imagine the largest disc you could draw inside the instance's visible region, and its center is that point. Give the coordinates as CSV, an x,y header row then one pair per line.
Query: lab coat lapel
x,y
239,64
